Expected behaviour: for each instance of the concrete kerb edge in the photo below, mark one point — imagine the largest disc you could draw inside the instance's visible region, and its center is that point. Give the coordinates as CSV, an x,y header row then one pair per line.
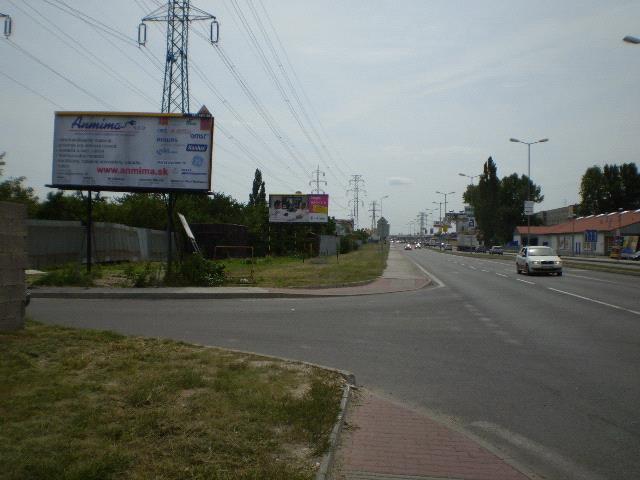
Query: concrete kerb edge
x,y
334,437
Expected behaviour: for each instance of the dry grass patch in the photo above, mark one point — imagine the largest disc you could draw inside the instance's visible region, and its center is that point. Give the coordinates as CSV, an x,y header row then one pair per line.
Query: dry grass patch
x,y
78,404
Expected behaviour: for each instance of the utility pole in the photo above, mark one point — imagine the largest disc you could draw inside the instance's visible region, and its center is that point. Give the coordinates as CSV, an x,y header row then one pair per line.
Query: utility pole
x,y
356,184
175,92
373,216
316,173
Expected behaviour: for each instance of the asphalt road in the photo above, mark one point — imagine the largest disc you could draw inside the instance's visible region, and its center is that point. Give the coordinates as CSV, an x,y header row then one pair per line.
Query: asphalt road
x,y
544,369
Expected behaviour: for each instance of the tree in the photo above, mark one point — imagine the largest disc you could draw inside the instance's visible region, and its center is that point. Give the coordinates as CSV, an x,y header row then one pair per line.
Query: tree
x,y
513,193
14,190
257,195
487,198
498,204
606,189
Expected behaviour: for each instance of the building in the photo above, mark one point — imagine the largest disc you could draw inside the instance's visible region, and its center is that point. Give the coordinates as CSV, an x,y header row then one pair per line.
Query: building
x,y
591,235
556,215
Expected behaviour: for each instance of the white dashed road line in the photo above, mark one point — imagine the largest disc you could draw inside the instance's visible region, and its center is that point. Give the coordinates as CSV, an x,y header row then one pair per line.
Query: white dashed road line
x,y
525,281
502,275
594,301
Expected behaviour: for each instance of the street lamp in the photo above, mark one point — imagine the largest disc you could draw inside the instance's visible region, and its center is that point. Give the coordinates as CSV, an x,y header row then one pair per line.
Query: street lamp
x,y
528,144
445,202
573,216
630,39
440,205
382,198
7,24
469,176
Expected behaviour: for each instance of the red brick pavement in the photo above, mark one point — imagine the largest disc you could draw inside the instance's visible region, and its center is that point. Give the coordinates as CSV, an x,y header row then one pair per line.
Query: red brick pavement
x,y
392,440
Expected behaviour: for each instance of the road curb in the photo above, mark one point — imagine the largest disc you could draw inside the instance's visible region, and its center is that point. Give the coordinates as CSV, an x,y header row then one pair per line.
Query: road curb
x,y
334,438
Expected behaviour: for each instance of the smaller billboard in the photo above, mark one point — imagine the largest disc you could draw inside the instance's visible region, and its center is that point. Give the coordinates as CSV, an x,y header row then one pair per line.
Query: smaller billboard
x,y
299,208
528,207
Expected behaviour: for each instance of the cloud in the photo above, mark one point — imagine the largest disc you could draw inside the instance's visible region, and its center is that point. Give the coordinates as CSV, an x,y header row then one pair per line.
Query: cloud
x,y
393,181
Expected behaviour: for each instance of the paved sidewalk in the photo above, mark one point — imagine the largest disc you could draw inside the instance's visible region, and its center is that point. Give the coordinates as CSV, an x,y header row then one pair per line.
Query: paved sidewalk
x,y
385,441
401,275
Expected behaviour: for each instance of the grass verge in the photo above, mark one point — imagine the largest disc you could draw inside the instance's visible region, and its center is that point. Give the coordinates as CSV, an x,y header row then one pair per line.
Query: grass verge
x,y
77,404
365,264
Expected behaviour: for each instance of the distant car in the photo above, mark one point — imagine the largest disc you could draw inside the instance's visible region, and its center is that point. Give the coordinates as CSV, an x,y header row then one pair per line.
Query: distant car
x,y
418,245
496,250
408,246
480,249
538,260
630,255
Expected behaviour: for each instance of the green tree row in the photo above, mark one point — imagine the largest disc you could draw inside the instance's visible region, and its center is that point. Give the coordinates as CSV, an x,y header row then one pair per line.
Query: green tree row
x,y
149,210
499,203
604,190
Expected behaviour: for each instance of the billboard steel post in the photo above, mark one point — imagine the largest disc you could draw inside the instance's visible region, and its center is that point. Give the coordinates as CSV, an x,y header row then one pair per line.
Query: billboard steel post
x,y
89,228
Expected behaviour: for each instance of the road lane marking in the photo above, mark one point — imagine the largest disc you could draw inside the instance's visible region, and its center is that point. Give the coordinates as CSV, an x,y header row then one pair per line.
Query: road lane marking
x,y
485,271
594,301
525,281
472,268
430,275
592,278
502,275
537,450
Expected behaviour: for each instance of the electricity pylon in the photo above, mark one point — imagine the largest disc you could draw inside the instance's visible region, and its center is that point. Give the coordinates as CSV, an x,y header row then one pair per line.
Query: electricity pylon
x,y
177,14
317,181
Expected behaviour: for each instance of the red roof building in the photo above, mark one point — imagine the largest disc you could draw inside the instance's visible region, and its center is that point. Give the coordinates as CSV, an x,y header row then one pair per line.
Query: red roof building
x,y
593,234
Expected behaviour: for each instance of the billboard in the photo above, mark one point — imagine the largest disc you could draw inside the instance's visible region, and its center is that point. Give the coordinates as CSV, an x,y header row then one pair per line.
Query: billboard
x,y
299,208
132,151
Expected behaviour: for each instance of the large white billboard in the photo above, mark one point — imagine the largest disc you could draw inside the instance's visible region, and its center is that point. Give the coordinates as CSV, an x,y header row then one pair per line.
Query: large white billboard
x,y
299,208
132,151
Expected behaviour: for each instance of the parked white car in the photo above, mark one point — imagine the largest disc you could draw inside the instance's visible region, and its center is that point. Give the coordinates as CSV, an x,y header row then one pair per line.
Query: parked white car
x,y
538,260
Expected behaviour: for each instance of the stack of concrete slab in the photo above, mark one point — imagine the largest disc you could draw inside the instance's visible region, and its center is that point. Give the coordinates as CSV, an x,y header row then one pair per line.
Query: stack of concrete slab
x,y
13,261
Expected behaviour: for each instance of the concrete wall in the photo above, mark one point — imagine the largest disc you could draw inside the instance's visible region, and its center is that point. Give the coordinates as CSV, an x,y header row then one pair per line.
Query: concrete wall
x,y
13,261
53,242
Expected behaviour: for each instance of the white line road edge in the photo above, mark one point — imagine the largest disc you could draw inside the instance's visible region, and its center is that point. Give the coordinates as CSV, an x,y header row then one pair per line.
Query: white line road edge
x,y
594,301
430,275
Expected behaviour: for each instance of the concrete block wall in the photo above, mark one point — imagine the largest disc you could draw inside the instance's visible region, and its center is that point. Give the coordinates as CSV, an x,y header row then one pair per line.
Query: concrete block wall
x,y
54,242
13,261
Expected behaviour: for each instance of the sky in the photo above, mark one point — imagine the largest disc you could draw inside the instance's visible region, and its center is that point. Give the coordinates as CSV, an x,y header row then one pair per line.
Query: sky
x,y
408,94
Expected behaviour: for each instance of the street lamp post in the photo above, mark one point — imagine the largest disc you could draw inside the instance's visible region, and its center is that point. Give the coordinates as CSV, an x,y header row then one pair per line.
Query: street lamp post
x,y
631,39
440,205
528,144
382,198
445,201
573,233
469,176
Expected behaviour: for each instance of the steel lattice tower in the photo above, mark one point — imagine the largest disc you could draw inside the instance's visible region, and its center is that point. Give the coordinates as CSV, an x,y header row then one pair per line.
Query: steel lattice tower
x,y
177,14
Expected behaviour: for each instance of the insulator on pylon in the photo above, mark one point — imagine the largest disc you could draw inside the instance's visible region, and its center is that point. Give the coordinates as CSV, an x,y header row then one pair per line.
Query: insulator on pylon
x,y
215,32
142,34
7,26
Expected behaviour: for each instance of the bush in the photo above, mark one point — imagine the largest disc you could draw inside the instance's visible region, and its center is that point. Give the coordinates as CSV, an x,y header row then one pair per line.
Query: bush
x,y
71,274
196,271
348,244
144,275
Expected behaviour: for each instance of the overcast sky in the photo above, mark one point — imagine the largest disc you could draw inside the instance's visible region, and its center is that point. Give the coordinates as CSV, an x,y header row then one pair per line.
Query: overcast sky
x,y
407,94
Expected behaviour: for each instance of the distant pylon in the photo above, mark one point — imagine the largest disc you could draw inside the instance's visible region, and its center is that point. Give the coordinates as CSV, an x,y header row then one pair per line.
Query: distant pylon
x,y
316,181
356,183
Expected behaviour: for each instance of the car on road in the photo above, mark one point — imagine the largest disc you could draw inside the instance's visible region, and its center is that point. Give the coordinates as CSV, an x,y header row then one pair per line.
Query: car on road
x,y
496,250
480,249
536,259
628,255
408,246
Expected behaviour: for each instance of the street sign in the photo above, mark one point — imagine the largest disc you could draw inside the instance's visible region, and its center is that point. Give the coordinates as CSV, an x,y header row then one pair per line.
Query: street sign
x,y
528,207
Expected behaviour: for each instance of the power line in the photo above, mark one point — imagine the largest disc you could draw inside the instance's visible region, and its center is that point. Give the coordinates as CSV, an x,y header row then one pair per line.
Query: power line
x,y
26,87
54,71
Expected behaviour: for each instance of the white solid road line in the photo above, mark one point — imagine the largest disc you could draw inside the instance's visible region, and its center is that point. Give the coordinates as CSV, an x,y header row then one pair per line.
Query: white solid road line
x,y
594,301
525,281
430,275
